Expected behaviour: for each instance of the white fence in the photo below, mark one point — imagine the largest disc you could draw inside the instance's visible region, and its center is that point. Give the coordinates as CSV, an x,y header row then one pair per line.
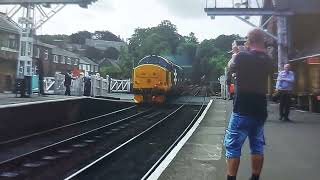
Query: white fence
x,y
224,87
119,85
100,87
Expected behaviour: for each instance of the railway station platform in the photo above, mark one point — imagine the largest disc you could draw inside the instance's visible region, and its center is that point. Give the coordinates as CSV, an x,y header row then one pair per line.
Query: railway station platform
x,y
291,150
7,100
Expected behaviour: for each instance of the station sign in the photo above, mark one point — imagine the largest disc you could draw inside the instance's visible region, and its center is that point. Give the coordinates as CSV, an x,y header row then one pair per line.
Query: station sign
x,y
313,60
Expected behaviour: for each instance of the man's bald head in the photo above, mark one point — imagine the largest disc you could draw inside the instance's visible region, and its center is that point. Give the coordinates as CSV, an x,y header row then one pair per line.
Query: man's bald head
x,y
256,38
286,67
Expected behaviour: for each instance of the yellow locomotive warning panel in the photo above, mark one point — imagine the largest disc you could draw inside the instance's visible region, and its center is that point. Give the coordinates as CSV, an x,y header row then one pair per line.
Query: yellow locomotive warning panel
x,y
152,79
149,76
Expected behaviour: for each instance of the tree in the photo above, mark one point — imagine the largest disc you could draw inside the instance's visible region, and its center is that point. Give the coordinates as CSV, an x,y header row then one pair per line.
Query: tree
x,y
80,37
223,42
111,53
93,53
111,71
169,33
191,39
189,46
126,63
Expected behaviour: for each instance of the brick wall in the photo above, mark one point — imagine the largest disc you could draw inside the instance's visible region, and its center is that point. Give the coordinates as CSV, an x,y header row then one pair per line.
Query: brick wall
x,y
7,74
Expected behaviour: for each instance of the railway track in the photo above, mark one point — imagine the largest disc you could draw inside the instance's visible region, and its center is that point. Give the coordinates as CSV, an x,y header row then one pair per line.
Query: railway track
x,y
138,157
77,149
64,127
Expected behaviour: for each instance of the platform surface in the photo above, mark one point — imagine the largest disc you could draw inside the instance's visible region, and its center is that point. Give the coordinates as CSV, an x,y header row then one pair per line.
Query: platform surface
x,y
7,100
291,152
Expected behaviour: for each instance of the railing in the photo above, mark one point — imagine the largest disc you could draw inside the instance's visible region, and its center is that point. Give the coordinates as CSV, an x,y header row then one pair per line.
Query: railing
x,y
234,3
120,86
99,86
224,87
48,83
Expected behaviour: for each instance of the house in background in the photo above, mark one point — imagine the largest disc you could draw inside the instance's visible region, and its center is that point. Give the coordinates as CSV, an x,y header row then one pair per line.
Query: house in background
x,y
104,45
105,62
9,52
88,66
42,58
63,61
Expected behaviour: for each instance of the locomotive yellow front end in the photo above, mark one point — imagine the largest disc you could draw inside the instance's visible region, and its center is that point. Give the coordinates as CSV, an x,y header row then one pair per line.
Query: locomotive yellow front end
x,y
150,83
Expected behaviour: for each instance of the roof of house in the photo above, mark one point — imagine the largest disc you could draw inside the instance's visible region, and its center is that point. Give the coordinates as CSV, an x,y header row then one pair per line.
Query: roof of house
x,y
6,24
109,62
85,60
39,43
103,45
62,52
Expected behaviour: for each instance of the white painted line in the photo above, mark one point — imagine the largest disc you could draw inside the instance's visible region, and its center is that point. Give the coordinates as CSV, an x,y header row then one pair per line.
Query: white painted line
x,y
164,164
302,111
17,104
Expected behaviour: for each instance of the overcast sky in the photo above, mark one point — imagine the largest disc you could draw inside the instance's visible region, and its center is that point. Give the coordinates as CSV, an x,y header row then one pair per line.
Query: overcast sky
x,y
123,16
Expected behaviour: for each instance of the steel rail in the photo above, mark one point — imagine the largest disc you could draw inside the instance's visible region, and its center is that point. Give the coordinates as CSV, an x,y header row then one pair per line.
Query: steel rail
x,y
62,127
156,164
3,163
82,170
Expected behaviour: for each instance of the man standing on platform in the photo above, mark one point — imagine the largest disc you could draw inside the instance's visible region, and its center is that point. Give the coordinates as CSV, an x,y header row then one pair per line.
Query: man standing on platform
x,y
67,83
252,68
284,87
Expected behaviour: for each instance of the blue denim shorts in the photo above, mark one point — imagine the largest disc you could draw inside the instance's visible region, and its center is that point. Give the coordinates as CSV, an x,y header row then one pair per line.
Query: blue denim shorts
x,y
239,128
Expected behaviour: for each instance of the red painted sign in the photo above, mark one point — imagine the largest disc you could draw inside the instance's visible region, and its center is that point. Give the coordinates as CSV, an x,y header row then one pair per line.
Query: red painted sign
x,y
76,72
313,60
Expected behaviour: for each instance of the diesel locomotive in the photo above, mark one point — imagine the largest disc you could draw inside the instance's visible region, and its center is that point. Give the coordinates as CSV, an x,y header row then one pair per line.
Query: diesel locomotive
x,y
155,78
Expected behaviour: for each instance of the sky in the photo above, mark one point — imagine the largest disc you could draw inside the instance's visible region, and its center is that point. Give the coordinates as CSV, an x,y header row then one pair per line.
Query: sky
x,y
122,17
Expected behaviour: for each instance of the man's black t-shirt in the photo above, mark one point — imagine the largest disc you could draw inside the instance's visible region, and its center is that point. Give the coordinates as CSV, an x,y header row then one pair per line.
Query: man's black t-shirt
x,y
251,70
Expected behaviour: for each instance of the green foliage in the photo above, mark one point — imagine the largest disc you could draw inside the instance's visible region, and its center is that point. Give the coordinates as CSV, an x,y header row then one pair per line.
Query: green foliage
x,y
80,37
126,63
158,40
208,58
223,42
111,53
93,53
111,71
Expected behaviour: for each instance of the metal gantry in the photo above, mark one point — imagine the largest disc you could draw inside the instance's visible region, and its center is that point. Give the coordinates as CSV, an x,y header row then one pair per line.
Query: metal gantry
x,y
29,25
246,8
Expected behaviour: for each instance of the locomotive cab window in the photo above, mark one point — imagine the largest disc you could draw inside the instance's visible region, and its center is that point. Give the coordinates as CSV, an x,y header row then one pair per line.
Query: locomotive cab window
x,y
156,60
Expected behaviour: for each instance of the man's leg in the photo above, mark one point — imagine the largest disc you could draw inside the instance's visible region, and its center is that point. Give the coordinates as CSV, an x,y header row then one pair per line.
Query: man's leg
x,y
287,106
68,91
256,165
281,106
235,136
257,142
232,167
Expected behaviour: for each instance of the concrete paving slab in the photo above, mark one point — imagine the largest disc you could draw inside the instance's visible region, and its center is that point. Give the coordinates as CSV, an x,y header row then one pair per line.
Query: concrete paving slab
x,y
202,157
8,100
291,151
